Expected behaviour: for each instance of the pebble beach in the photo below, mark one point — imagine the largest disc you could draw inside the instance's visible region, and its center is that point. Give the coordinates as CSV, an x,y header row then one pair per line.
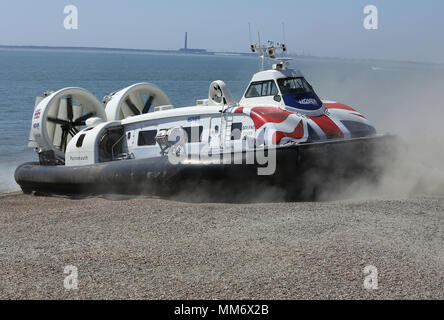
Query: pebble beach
x,y
163,249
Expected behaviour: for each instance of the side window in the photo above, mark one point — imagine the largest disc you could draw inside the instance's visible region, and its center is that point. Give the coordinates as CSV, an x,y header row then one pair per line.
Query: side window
x,y
79,142
274,89
236,131
269,88
147,138
192,132
262,89
254,90
266,88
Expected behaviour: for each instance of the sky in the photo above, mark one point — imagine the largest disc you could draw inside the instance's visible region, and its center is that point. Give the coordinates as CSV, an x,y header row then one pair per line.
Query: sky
x,y
407,30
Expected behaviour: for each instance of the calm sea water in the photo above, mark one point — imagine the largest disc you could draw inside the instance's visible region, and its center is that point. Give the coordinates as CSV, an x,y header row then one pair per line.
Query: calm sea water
x,y
374,87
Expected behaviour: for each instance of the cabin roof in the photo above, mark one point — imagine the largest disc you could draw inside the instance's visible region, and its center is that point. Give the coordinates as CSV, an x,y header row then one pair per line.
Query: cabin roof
x,y
275,74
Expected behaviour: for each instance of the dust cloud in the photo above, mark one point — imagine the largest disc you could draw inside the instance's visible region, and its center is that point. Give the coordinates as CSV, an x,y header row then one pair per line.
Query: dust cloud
x,y
412,108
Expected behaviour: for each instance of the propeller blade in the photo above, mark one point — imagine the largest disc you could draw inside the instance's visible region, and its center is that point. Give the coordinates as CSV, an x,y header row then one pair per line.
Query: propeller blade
x,y
80,121
132,106
63,140
58,121
73,131
148,103
69,108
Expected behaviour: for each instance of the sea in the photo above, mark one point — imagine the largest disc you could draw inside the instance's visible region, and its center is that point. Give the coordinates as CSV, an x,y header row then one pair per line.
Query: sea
x,y
391,94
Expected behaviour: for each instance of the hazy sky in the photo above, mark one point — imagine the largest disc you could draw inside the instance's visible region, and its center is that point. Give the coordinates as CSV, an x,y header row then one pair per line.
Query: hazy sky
x,y
408,30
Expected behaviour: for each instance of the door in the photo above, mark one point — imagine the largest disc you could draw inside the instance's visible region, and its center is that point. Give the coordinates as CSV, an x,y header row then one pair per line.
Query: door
x,y
215,133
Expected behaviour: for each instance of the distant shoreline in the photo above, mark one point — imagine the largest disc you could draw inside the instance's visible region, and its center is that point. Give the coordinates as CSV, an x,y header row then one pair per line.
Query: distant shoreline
x,y
190,52
209,53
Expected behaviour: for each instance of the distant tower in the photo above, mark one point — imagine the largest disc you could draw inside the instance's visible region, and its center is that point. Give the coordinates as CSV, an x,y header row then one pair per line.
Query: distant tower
x,y
186,50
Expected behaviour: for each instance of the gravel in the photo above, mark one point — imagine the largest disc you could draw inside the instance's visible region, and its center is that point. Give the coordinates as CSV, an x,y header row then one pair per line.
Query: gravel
x,y
163,249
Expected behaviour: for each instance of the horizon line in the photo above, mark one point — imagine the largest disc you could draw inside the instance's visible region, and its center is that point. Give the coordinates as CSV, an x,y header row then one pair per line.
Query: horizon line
x,y
178,51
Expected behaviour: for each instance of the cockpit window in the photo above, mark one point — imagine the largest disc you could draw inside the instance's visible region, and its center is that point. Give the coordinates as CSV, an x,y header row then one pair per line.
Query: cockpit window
x,y
261,89
269,88
294,86
254,90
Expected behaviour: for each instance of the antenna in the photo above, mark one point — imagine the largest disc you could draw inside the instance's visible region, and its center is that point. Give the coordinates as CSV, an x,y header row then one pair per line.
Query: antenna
x,y
269,50
283,33
249,33
260,52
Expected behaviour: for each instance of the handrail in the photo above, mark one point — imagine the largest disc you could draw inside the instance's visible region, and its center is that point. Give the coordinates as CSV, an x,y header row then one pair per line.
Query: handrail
x,y
112,148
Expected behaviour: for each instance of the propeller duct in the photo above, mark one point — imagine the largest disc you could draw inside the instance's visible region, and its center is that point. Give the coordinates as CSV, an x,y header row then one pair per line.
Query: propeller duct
x,y
61,115
135,100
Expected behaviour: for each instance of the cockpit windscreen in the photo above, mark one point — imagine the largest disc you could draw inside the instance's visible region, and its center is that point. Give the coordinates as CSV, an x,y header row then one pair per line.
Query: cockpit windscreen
x,y
294,86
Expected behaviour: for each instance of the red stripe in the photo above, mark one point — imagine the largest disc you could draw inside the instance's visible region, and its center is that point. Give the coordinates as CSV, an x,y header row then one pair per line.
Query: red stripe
x,y
338,105
297,133
262,115
341,106
358,114
330,128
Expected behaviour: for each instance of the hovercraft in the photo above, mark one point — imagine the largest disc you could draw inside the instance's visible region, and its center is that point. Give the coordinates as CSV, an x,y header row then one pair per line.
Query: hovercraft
x,y
280,134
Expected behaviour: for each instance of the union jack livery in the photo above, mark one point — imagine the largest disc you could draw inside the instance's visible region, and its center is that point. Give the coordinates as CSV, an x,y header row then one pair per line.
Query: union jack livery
x,y
337,122
135,141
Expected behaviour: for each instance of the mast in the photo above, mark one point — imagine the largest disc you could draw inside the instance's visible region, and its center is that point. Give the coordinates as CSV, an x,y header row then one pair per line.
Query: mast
x,y
269,51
